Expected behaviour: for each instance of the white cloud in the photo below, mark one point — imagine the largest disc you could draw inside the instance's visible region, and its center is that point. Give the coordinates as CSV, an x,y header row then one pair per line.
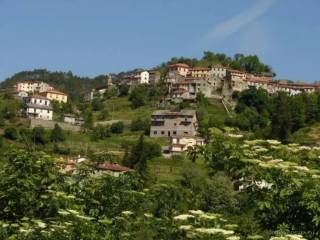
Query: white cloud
x,y
234,24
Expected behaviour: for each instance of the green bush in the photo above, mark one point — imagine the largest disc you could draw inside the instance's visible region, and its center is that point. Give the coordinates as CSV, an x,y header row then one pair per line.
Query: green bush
x,y
11,133
117,127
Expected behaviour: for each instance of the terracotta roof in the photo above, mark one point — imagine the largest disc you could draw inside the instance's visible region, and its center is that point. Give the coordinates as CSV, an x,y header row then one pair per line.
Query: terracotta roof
x,y
39,97
199,69
112,167
179,65
55,92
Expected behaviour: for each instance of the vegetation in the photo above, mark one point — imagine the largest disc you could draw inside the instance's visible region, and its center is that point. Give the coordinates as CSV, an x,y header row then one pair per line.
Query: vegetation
x,y
276,116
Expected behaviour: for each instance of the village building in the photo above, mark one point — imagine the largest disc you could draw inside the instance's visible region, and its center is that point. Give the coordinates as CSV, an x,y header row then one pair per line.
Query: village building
x,y
237,79
37,107
183,143
180,68
218,71
100,90
137,77
154,76
198,72
165,123
32,86
113,169
55,95
73,119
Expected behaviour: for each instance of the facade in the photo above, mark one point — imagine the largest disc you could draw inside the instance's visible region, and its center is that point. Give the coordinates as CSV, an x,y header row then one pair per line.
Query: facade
x,y
181,144
179,68
237,79
199,72
55,95
154,76
32,86
218,71
165,123
37,107
144,77
137,77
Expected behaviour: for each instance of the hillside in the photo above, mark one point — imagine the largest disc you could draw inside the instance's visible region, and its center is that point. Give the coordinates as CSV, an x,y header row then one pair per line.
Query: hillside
x,y
73,85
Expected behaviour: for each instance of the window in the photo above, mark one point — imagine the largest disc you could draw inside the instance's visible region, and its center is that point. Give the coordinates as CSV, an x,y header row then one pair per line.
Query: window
x,y
174,132
186,132
162,132
155,132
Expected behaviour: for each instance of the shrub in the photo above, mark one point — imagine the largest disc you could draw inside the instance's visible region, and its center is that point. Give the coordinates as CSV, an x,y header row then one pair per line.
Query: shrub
x,y
117,127
101,132
138,125
11,133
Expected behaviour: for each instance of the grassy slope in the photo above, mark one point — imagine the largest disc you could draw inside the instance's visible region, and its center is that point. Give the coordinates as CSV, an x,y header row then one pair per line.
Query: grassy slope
x,y
308,135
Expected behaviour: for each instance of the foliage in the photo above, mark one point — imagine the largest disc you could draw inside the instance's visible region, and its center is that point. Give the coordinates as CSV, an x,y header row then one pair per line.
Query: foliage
x,y
117,127
57,134
11,133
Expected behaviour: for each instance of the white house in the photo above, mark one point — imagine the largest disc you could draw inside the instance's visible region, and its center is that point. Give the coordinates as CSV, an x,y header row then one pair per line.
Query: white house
x,y
37,107
32,86
182,143
144,77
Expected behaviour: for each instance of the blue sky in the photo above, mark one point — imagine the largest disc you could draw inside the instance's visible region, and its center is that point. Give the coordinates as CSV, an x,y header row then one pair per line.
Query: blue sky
x,y
91,37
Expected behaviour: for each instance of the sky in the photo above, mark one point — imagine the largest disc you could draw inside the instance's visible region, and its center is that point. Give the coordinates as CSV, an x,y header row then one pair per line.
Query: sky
x,y
92,37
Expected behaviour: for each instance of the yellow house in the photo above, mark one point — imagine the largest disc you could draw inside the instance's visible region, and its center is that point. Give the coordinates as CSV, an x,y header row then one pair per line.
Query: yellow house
x,y
55,95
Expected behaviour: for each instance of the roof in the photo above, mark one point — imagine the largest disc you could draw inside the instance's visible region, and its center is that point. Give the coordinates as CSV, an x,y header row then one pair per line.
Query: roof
x,y
200,69
179,65
38,97
168,112
30,105
115,167
55,92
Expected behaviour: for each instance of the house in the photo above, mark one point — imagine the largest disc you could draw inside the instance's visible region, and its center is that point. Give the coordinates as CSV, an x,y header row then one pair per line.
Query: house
x,y
113,169
199,72
183,143
72,119
55,95
38,107
137,77
237,80
179,68
154,76
165,123
100,90
32,86
218,71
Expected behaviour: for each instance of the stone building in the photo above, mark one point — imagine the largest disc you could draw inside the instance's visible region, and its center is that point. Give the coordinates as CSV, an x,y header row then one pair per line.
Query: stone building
x,y
165,123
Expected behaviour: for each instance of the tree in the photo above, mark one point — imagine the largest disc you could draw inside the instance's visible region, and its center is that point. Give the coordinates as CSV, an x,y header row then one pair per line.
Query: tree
x,y
123,90
97,104
38,135
138,125
88,120
281,119
117,127
57,134
11,133
24,187
138,96
101,132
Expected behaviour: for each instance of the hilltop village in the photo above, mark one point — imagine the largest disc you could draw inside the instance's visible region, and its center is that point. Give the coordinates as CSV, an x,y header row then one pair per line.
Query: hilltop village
x,y
215,148
182,83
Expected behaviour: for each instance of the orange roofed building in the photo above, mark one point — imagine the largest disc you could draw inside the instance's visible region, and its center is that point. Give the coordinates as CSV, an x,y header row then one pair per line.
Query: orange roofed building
x,y
55,95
